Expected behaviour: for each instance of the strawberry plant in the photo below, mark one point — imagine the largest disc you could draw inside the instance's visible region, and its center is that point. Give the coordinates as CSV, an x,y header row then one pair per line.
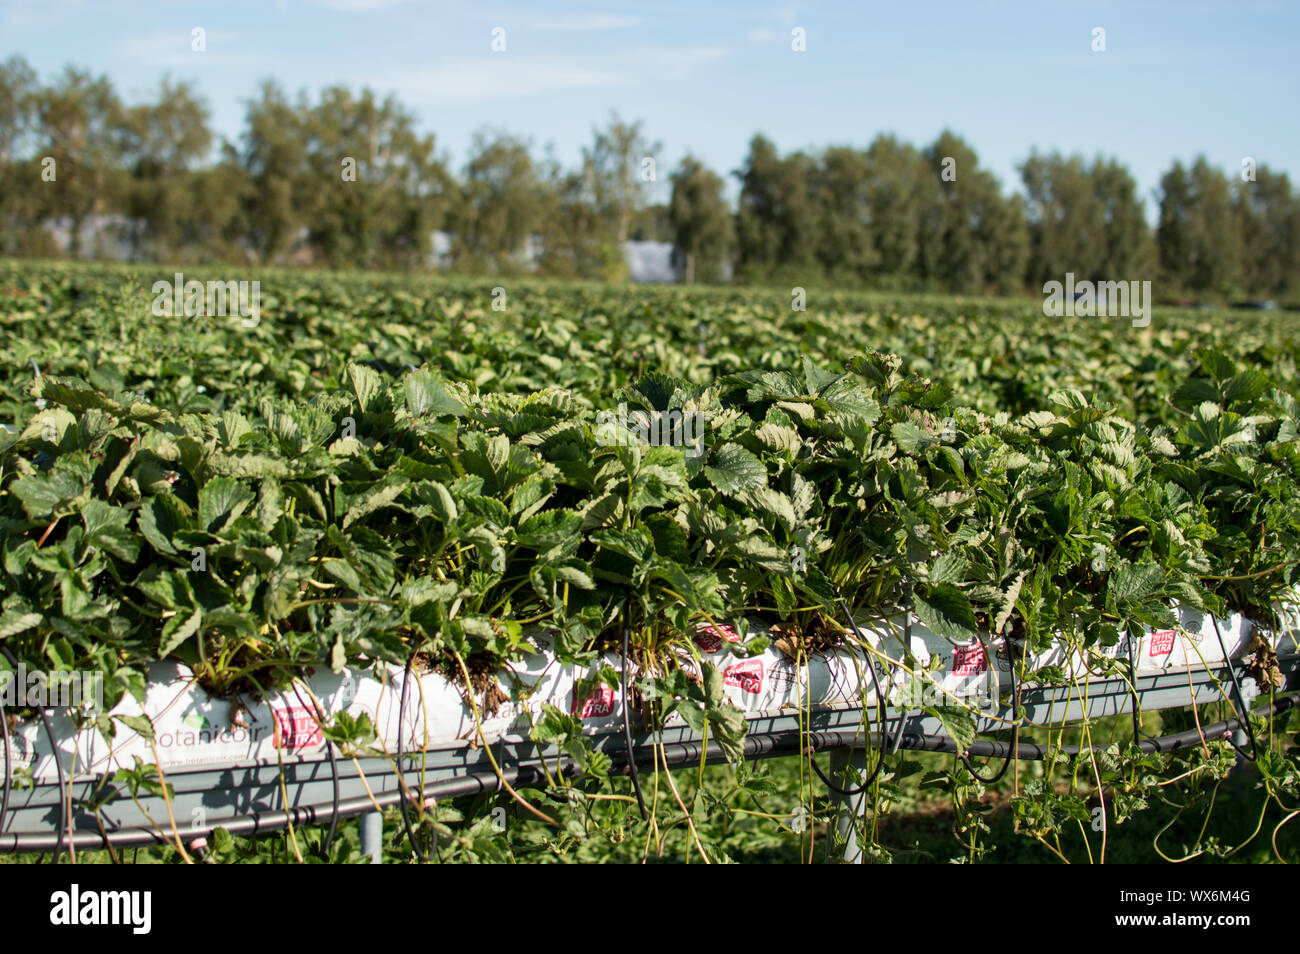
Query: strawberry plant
x,y
385,470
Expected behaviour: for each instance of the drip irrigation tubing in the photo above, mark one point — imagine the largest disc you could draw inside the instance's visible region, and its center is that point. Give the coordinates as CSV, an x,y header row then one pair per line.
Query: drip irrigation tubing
x,y
1015,712
1241,700
902,722
401,725
627,718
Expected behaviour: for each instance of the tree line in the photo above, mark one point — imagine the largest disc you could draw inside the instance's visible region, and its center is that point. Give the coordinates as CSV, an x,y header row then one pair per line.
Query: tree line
x,y
346,179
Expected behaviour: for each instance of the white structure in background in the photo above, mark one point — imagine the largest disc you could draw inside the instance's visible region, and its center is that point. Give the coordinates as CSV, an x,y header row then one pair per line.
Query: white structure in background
x,y
100,236
650,261
440,249
109,237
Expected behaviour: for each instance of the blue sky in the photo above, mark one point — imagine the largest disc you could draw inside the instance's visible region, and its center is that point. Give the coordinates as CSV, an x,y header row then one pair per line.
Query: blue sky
x,y
1219,77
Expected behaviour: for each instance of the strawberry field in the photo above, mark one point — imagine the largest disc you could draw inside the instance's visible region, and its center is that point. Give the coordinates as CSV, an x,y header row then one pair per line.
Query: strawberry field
x,y
670,494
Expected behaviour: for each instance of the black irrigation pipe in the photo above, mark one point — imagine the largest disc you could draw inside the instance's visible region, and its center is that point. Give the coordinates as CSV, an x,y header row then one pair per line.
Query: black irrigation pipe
x,y
762,745
1133,677
4,798
334,779
902,721
1015,712
627,717
1241,700
401,721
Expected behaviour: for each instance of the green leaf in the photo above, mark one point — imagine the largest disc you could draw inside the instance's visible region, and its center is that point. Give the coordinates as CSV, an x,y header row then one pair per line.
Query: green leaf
x,y
382,495
139,724
159,520
106,527
947,611
634,543
13,623
959,723
222,841
911,438
178,629
425,394
366,383
221,500
1134,582
735,469
438,498
46,494
1008,603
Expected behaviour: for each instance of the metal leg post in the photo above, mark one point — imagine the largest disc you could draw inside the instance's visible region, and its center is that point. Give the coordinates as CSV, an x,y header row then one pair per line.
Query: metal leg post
x,y
372,836
848,808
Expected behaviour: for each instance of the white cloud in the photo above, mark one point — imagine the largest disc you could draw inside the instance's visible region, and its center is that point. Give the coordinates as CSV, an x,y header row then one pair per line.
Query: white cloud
x,y
355,6
467,80
572,22
499,76
20,14
172,49
672,62
787,16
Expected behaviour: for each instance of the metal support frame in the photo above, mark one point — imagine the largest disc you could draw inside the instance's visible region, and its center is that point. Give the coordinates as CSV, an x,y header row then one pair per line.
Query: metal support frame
x,y
372,836
246,798
849,808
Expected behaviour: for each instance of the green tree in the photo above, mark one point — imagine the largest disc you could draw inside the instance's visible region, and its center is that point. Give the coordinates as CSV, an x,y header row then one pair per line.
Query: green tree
x,y
1267,214
776,220
578,241
274,158
701,221
652,224
500,205
972,239
83,128
216,230
1085,219
1196,237
840,189
615,164
381,191
22,202
1127,247
18,101
166,139
895,171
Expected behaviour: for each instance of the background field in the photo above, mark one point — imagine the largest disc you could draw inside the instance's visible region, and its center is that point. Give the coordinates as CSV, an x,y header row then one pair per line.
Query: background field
x,y
94,327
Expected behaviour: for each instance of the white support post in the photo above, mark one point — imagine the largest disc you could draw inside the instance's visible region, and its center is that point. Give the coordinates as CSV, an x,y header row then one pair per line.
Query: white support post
x,y
372,836
849,808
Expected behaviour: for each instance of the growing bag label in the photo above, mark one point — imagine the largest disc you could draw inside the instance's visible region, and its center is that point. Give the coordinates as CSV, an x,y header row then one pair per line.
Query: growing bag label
x,y
746,676
596,704
969,660
298,728
709,638
1162,642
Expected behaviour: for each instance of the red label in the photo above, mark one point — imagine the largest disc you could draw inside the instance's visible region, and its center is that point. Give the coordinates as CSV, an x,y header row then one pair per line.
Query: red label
x,y
597,703
1162,642
969,660
298,728
746,676
709,638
